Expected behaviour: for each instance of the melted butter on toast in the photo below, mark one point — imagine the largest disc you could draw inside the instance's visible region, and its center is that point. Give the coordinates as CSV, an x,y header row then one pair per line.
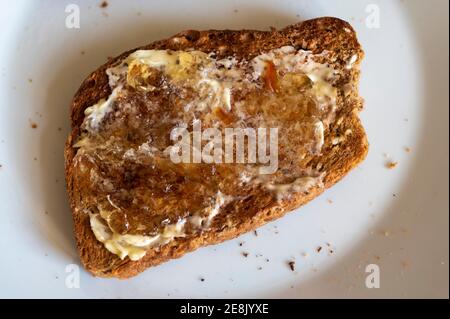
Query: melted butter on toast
x,y
138,199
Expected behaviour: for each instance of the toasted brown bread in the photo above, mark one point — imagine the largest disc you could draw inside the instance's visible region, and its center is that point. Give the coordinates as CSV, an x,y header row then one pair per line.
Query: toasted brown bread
x,y
333,43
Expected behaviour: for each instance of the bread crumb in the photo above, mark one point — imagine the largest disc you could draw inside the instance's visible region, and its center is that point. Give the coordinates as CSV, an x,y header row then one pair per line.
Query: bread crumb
x,y
33,125
83,52
407,150
245,254
202,279
59,129
330,201
318,249
30,80
259,268
305,255
241,243
291,265
391,165
255,233
104,4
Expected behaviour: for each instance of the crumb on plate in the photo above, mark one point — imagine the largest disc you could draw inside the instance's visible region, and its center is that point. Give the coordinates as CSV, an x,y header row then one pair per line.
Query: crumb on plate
x,y
291,265
391,165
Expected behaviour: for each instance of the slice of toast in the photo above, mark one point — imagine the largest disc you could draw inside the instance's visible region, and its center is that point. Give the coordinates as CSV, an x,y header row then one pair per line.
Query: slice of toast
x,y
134,208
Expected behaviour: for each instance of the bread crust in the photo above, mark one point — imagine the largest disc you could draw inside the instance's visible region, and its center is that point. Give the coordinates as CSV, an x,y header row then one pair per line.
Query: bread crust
x,y
317,35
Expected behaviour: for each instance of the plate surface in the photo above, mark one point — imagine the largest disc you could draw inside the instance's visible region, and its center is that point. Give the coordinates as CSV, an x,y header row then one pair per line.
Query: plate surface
x,y
396,219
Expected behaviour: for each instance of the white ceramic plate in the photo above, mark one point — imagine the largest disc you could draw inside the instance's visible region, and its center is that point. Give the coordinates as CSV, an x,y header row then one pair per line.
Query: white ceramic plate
x,y
396,219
